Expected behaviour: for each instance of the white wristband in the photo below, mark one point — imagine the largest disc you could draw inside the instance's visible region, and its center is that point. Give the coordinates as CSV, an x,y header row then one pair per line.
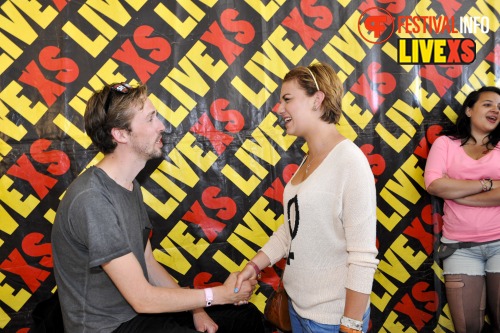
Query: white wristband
x,y
209,296
351,323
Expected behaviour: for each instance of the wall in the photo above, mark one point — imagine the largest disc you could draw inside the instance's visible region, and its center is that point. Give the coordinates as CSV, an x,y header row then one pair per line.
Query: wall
x,y
214,70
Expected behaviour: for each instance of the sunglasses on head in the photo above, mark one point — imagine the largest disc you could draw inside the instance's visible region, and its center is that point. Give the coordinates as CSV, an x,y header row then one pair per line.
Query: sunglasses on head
x,y
122,88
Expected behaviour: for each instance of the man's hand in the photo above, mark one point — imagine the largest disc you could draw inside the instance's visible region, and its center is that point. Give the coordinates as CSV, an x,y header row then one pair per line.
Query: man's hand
x,y
203,322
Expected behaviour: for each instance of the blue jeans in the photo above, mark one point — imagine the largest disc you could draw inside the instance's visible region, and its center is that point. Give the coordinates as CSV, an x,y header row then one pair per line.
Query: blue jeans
x,y
302,325
475,261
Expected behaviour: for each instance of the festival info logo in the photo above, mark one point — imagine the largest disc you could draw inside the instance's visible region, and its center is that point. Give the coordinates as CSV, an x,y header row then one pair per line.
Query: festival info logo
x,y
376,25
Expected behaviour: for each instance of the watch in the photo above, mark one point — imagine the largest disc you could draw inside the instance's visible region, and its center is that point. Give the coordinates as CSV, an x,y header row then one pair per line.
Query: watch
x,y
209,296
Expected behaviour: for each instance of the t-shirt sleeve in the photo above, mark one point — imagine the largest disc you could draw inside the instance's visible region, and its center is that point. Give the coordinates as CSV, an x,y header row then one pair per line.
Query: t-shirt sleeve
x,y
436,160
95,224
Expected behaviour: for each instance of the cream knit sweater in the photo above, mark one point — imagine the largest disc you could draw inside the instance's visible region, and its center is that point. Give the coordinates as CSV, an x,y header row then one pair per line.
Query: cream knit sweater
x,y
333,247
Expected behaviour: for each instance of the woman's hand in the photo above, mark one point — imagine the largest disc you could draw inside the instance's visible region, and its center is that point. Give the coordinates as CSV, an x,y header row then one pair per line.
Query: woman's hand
x,y
230,295
246,274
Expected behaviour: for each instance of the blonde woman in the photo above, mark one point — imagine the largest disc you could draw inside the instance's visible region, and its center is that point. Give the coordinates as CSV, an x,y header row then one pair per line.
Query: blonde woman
x,y
329,233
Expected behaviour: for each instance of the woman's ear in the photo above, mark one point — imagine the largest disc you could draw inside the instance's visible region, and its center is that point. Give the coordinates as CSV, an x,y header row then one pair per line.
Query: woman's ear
x,y
467,112
318,99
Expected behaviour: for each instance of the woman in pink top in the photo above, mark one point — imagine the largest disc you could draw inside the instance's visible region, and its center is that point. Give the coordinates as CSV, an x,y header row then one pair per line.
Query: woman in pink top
x,y
463,168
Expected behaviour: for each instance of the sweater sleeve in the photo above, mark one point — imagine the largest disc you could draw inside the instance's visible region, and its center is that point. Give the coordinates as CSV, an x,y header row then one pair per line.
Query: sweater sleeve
x,y
359,222
279,243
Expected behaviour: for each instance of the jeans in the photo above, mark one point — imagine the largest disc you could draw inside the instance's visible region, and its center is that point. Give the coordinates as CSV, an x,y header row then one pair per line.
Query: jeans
x,y
475,261
302,325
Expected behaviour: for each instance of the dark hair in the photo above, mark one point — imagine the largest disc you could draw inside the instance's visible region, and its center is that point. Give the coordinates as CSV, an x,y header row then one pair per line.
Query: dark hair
x,y
99,122
462,129
327,81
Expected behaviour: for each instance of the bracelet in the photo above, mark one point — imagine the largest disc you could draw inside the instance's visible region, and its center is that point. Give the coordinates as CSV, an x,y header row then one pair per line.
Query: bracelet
x,y
483,185
486,187
209,296
255,267
344,329
349,323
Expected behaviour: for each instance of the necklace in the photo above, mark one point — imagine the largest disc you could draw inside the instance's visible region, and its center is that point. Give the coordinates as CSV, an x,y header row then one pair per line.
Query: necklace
x,y
308,163
477,151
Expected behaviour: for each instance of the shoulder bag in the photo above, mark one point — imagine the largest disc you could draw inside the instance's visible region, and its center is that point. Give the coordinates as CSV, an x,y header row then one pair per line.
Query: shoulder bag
x,y
276,310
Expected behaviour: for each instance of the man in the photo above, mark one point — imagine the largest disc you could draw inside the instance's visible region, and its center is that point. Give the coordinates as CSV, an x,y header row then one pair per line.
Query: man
x,y
107,277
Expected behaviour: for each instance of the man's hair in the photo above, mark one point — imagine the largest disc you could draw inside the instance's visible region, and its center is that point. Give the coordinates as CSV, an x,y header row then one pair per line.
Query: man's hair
x,y
99,121
321,76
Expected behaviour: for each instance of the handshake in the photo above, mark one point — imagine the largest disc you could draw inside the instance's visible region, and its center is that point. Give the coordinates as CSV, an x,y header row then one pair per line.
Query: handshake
x,y
239,286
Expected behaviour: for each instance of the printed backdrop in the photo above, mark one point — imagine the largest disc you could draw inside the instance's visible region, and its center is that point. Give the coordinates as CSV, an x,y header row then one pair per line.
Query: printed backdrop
x,y
214,69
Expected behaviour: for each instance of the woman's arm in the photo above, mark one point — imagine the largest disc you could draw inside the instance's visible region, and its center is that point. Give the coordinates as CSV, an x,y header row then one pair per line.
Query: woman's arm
x,y
253,268
483,199
436,176
449,188
355,304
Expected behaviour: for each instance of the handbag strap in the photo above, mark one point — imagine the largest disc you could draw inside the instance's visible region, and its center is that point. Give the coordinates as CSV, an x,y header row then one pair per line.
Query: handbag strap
x,y
280,285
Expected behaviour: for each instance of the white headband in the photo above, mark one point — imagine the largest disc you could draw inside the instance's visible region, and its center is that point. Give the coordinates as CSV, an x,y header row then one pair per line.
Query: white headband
x,y
314,78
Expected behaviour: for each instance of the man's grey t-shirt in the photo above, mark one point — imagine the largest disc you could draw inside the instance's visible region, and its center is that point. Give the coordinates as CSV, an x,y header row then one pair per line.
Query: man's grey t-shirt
x,y
97,221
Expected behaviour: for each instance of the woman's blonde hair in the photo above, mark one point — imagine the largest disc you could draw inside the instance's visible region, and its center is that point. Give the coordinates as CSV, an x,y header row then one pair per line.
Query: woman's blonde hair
x,y
321,76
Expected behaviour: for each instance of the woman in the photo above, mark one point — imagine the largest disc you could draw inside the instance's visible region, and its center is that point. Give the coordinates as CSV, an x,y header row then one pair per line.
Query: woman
x,y
463,169
329,234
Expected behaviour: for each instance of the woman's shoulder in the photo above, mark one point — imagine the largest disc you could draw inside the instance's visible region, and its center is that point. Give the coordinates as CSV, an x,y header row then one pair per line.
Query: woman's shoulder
x,y
347,144
446,140
345,150
351,155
